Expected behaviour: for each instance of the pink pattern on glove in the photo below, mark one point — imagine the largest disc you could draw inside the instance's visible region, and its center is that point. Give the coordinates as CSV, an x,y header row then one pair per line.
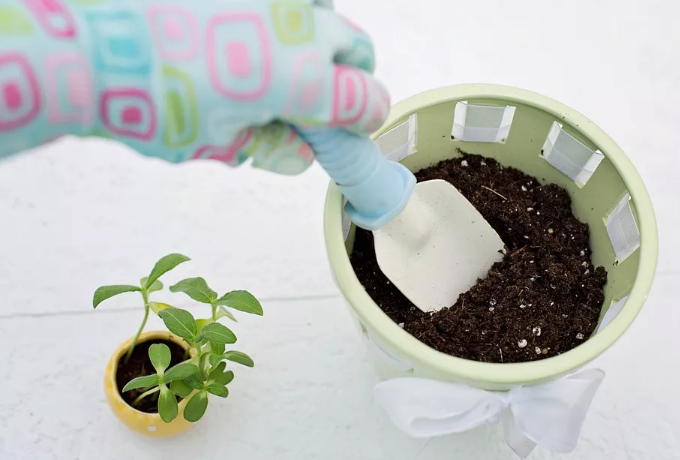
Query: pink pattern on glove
x,y
54,17
225,154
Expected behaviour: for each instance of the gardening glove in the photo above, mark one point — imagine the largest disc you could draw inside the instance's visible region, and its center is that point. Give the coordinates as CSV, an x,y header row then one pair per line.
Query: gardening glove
x,y
184,80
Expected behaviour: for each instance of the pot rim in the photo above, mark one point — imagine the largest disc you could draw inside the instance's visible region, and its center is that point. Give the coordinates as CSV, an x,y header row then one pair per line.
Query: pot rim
x,y
455,368
120,352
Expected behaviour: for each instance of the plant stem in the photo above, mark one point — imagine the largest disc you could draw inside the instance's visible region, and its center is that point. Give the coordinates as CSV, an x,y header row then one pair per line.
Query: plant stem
x,y
202,367
145,394
214,312
187,351
145,295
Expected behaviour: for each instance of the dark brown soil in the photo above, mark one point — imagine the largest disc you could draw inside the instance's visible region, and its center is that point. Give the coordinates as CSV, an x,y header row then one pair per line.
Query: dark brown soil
x,y
543,299
140,365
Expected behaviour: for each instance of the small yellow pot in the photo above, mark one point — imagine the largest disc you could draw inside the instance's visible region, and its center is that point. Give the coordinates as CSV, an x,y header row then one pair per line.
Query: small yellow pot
x,y
149,425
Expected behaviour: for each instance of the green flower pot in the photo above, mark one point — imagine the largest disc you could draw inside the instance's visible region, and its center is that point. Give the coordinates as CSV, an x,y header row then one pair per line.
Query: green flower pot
x,y
599,185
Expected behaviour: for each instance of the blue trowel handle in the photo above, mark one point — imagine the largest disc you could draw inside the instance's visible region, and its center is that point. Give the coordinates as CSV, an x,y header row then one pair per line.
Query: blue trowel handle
x,y
376,188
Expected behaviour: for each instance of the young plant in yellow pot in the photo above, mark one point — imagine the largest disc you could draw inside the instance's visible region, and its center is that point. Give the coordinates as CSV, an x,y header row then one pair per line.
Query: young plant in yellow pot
x,y
157,383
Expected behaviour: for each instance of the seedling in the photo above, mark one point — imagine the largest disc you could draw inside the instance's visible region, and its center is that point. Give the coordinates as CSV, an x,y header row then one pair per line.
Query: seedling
x,y
203,373
147,285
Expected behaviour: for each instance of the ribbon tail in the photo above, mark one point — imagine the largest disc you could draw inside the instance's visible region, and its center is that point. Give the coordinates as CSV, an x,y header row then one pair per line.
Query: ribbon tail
x,y
552,414
425,408
520,444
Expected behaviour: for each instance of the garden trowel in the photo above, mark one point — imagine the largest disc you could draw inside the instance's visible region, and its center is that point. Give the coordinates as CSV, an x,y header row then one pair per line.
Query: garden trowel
x,y
429,239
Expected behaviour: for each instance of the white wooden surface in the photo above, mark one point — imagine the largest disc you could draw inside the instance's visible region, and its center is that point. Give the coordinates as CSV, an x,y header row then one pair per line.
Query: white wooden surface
x,y
78,214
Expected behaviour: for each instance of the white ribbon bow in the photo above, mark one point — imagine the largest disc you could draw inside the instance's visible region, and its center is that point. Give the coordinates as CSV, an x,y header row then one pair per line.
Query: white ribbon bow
x,y
550,415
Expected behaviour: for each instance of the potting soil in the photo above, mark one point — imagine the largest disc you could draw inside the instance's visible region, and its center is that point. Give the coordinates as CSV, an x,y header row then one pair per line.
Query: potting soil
x,y
140,365
543,299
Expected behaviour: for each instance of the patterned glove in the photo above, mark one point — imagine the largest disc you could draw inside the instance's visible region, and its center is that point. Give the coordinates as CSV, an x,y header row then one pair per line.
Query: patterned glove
x,y
184,80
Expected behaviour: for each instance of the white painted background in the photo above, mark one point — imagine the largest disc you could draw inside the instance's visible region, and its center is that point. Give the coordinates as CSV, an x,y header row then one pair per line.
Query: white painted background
x,y
81,213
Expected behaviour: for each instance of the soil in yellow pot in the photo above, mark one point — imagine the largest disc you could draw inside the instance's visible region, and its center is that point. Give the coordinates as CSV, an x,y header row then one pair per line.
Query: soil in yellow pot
x,y
144,423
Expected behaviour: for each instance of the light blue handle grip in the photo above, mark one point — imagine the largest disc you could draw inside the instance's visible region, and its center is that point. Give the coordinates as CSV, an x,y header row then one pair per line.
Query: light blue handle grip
x,y
376,188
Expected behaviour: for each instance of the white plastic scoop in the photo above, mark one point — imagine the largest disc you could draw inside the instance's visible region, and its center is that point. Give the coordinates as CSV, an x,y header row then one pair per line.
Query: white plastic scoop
x,y
438,246
429,239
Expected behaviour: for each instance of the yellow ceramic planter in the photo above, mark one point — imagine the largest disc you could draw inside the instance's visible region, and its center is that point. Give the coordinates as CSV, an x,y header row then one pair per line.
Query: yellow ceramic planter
x,y
149,425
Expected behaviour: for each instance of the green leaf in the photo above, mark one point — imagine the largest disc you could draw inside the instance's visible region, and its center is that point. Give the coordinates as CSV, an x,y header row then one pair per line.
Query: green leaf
x,y
201,323
204,365
106,292
225,379
163,266
217,348
222,312
235,356
159,354
167,405
196,407
214,359
194,381
217,371
156,307
156,286
218,390
142,382
238,357
180,322
241,301
197,289
180,372
219,376
217,333
180,388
